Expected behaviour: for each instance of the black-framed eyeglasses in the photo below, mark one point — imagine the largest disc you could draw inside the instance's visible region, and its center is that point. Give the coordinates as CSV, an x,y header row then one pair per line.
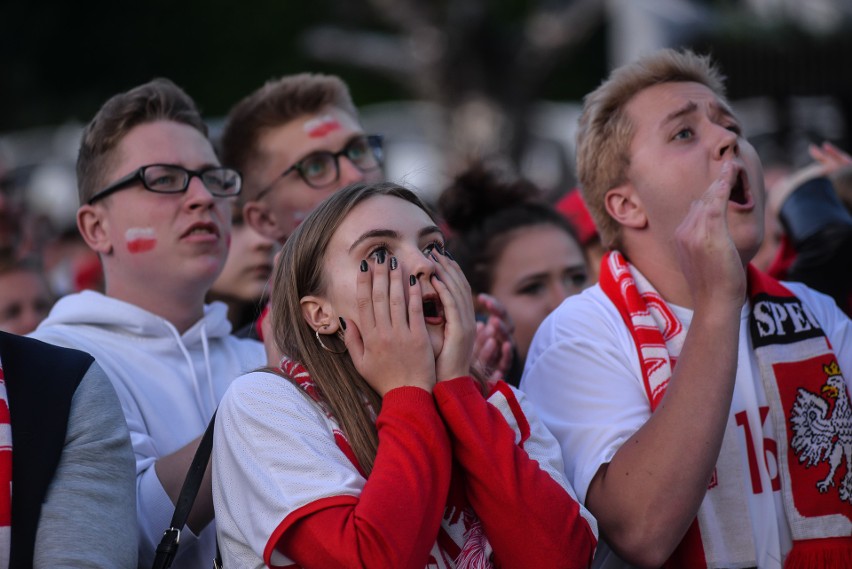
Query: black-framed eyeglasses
x,y
172,179
319,169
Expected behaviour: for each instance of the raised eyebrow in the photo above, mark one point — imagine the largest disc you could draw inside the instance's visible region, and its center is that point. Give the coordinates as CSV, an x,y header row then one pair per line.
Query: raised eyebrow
x,y
723,110
391,234
429,231
386,233
686,109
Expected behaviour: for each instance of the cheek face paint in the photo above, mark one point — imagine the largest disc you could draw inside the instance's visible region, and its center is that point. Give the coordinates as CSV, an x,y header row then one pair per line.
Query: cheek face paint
x,y
299,217
140,239
321,126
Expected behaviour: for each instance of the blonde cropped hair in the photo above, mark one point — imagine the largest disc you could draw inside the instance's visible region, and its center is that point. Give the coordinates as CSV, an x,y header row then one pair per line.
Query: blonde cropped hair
x,y
605,131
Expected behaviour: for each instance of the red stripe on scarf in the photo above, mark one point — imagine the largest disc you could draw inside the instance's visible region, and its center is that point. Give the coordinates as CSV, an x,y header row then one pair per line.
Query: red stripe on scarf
x,y
689,552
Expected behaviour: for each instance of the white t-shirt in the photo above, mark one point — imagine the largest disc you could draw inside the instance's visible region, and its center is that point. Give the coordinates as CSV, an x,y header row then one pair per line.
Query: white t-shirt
x,y
277,457
584,376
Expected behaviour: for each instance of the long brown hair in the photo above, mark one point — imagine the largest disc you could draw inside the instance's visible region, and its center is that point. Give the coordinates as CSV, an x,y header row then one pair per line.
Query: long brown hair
x,y
300,273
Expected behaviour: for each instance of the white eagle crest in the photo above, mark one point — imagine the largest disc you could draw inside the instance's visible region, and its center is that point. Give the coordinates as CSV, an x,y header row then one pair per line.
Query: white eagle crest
x,y
818,437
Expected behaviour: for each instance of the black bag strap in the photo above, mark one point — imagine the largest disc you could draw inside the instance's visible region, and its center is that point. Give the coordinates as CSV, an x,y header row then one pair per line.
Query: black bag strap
x,y
168,547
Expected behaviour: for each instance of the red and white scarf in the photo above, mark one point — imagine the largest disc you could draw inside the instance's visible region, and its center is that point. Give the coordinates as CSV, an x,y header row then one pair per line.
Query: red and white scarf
x,y
796,365
474,552
5,474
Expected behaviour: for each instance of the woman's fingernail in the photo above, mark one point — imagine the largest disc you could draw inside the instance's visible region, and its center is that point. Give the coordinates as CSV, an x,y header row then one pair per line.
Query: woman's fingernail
x,y
412,280
342,322
363,266
449,255
393,263
380,257
434,258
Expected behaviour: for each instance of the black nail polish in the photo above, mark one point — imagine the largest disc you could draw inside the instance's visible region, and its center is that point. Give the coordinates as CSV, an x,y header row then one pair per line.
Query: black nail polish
x,y
393,263
342,322
434,258
380,257
363,266
412,279
449,255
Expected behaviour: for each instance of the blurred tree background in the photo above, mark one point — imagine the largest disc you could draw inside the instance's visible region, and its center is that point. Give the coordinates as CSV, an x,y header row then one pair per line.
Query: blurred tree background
x,y
485,65
64,59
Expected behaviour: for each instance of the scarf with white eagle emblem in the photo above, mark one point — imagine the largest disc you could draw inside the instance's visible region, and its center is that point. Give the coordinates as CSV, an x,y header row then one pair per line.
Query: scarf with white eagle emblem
x,y
808,405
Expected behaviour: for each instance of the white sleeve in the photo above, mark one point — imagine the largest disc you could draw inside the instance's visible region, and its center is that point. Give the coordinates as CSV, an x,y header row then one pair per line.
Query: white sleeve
x,y
274,454
583,376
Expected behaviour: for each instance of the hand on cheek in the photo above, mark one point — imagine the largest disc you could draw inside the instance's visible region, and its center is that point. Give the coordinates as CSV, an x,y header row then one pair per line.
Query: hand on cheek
x,y
456,355
390,344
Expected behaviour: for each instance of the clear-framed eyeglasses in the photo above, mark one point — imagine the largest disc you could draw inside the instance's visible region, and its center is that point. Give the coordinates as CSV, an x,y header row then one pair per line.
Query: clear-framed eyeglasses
x,y
172,179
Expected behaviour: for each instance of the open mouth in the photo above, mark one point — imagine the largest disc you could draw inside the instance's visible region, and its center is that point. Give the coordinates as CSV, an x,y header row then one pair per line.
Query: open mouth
x,y
432,310
738,191
202,229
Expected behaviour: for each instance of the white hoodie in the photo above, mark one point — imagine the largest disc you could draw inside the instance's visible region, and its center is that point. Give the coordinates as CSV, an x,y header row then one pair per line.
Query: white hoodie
x,y
168,384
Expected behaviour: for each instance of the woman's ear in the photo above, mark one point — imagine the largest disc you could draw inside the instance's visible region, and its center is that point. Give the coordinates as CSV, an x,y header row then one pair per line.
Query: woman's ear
x,y
93,223
319,315
624,205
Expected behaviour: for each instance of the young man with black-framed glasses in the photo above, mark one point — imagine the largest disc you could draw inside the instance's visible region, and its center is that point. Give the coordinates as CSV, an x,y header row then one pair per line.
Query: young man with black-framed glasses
x,y
296,140
156,206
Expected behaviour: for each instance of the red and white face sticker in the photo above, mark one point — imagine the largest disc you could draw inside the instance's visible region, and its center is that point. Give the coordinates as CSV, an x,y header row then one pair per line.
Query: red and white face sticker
x,y
319,127
140,239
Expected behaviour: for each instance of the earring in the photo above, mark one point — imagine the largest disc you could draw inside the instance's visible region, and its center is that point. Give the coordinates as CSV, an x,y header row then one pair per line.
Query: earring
x,y
326,348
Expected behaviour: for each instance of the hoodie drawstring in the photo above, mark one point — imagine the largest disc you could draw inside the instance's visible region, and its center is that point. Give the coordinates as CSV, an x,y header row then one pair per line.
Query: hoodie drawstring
x,y
198,400
205,345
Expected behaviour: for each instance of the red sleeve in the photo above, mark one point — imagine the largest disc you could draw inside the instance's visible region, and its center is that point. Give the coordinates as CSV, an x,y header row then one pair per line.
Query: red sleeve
x,y
783,260
529,519
395,521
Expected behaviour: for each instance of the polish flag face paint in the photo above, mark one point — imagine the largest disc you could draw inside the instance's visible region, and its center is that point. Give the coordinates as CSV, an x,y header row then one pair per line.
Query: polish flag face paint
x,y
321,126
299,217
140,239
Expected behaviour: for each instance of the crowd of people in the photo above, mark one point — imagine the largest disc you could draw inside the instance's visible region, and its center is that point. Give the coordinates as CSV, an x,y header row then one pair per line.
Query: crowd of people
x,y
493,380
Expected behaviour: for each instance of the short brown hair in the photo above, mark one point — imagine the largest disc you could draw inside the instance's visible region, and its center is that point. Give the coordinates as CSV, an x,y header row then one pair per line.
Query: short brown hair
x,y
159,99
276,103
605,131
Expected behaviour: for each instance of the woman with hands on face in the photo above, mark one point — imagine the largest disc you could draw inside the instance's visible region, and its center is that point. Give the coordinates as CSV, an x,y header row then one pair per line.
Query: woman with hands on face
x,y
378,443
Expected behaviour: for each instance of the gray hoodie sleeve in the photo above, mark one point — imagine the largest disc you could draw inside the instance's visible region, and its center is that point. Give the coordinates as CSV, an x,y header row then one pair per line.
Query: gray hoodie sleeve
x,y
89,517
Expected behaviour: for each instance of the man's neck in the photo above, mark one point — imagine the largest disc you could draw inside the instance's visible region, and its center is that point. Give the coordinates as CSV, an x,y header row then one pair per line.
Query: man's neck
x,y
663,271
182,309
666,278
